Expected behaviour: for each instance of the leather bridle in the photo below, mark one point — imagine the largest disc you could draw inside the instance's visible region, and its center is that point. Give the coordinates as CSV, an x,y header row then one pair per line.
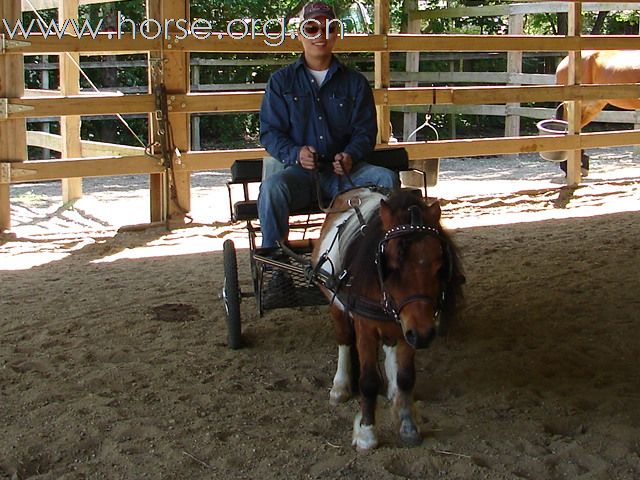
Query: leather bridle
x,y
389,305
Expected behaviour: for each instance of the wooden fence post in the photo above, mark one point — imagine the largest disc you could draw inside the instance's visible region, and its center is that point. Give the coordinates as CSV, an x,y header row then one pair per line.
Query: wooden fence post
x,y
382,68
196,142
412,65
44,84
13,136
636,126
158,200
70,124
574,107
177,81
173,71
514,65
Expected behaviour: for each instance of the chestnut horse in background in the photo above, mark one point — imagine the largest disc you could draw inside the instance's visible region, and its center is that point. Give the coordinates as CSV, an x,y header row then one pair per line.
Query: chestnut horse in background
x,y
602,66
394,277
605,66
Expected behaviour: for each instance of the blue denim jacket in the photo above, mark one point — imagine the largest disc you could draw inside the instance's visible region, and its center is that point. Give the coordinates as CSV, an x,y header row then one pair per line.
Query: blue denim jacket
x,y
339,116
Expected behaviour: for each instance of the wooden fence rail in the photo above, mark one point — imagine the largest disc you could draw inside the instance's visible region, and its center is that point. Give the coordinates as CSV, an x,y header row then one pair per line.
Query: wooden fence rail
x,y
228,102
102,44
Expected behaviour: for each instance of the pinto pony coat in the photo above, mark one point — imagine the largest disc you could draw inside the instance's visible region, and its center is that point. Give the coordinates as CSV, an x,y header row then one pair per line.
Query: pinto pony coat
x,y
398,277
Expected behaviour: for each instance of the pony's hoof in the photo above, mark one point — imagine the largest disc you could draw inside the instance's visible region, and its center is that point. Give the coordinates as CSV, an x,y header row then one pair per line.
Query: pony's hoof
x,y
364,440
365,448
338,396
364,436
409,434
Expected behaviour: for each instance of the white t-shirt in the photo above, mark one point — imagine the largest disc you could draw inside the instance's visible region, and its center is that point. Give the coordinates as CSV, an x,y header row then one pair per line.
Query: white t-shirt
x,y
318,75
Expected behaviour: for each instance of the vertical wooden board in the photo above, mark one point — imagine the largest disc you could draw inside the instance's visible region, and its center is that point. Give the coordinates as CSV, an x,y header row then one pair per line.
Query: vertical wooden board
x,y
411,178
514,65
5,207
574,175
70,85
382,68
158,201
13,136
412,65
636,126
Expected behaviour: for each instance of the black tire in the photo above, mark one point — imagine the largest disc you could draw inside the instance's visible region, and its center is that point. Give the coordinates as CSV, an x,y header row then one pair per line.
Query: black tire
x,y
231,295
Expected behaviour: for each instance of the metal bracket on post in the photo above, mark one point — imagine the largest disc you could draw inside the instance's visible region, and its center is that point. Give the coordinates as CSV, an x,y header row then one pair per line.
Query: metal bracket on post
x,y
162,124
7,108
5,172
4,108
9,44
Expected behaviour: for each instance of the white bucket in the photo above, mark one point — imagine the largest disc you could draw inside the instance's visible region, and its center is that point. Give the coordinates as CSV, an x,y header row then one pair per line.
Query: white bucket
x,y
553,127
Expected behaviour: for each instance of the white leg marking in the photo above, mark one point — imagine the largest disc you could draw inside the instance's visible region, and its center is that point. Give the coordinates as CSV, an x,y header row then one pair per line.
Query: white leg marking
x,y
391,370
364,436
341,391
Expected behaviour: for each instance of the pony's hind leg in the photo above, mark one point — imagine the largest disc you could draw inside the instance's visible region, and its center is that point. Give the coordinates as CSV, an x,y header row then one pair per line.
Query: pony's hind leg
x,y
341,389
403,401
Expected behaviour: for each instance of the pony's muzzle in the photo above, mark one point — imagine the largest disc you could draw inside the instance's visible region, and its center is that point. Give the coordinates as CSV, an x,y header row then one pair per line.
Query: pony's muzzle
x,y
417,340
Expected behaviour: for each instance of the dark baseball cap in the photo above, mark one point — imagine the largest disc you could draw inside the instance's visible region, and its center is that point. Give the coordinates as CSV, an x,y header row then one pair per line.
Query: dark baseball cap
x,y
318,9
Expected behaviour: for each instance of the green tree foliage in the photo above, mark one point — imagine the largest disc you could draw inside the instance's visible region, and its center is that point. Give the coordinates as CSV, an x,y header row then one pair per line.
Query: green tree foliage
x,y
594,23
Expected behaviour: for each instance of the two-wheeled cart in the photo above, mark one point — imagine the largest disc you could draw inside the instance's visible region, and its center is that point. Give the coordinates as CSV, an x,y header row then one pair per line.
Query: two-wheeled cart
x,y
281,278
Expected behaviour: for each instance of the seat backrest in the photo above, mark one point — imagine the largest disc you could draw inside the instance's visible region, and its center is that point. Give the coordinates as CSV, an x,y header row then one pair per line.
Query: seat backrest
x,y
246,171
249,171
396,158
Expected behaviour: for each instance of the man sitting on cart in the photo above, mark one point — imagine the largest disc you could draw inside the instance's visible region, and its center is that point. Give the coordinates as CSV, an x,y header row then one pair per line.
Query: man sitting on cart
x,y
317,115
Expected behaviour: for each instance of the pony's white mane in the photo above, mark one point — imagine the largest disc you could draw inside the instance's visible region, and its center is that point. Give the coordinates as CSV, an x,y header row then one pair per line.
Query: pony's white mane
x,y
347,226
352,228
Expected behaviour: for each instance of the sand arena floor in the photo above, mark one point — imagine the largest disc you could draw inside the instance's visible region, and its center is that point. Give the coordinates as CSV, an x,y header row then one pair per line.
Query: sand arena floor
x,y
114,364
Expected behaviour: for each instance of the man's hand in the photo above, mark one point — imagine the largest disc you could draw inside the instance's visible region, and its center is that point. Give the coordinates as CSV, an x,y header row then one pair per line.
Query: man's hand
x,y
307,157
342,163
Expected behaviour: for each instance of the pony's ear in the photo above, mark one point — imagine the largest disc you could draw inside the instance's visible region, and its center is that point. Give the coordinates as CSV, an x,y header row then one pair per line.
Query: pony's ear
x,y
386,215
434,213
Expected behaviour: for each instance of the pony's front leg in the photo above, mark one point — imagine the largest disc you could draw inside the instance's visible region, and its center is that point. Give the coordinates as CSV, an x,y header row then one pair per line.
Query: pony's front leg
x,y
364,435
341,389
403,401
391,371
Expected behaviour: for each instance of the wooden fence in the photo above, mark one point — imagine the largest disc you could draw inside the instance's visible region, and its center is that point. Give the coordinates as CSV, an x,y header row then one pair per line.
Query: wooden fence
x,y
169,65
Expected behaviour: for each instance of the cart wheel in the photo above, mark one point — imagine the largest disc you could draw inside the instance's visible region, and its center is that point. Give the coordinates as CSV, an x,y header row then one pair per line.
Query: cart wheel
x,y
231,295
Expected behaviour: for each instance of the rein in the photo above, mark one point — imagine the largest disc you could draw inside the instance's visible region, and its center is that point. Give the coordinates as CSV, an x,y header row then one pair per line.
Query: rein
x,y
316,181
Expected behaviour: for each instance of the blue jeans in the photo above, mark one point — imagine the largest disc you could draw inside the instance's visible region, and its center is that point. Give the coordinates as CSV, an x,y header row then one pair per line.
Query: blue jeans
x,y
293,189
